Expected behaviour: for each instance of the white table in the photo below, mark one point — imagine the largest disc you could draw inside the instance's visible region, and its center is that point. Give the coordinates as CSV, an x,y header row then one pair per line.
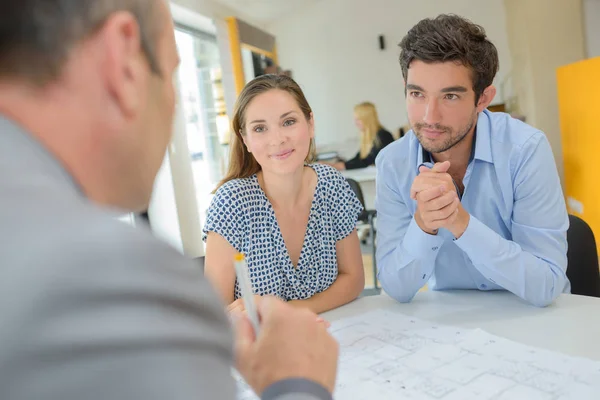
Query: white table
x,y
571,325
361,174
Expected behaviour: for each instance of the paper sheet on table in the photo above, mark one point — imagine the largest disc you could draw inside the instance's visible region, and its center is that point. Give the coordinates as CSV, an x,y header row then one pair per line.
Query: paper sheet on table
x,y
388,355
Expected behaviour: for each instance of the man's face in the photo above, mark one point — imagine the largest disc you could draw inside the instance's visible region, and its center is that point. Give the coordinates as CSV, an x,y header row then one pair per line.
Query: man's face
x,y
441,104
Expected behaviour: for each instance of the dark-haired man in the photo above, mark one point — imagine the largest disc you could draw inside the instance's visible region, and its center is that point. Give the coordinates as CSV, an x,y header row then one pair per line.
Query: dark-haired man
x,y
468,199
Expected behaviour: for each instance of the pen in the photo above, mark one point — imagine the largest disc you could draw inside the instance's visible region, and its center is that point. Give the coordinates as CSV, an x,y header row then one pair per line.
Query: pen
x,y
241,270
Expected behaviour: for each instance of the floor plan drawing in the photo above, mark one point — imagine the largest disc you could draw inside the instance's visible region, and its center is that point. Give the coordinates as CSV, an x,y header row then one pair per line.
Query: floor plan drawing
x,y
388,355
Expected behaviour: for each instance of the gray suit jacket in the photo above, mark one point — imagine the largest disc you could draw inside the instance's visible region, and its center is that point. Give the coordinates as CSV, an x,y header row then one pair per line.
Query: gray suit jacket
x,y
91,308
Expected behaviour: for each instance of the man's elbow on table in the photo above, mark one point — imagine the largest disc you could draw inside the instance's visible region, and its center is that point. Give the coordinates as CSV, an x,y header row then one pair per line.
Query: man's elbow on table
x,y
547,295
546,298
400,294
401,297
543,301
395,286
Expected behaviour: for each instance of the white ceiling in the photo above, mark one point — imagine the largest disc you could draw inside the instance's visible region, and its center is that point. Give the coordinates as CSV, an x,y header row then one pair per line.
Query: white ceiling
x,y
266,11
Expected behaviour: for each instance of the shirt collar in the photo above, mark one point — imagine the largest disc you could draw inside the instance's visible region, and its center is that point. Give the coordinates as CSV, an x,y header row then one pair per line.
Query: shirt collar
x,y
483,145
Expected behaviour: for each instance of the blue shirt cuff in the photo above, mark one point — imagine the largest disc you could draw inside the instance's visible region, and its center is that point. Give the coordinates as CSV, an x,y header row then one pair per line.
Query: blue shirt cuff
x,y
474,239
417,242
296,386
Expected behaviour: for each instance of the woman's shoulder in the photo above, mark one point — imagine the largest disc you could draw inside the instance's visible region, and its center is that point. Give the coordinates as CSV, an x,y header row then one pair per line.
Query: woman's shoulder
x,y
330,179
338,199
326,172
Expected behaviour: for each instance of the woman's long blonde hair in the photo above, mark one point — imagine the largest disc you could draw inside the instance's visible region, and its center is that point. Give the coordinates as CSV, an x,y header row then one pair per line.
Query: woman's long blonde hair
x,y
367,114
242,164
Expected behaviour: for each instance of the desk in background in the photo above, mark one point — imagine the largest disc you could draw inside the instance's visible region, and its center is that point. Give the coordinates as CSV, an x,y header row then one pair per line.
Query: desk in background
x,y
366,179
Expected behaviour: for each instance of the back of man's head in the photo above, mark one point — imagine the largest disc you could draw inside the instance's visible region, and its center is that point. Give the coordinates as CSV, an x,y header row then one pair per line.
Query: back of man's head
x,y
36,36
92,81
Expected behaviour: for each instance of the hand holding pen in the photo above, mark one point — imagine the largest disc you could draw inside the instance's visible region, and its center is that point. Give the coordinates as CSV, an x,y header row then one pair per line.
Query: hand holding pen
x,y
291,344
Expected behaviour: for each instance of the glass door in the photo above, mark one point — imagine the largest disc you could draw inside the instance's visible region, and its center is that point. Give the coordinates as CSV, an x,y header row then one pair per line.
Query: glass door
x,y
203,103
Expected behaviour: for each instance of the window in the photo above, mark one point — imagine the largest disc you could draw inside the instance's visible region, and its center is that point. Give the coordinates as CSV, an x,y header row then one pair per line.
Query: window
x,y
203,104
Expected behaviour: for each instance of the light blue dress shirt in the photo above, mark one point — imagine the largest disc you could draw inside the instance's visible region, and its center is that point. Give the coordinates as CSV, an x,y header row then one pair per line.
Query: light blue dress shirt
x,y
516,237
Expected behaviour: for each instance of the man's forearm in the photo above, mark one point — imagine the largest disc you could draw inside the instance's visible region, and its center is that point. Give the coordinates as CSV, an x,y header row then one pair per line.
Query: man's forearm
x,y
405,267
538,280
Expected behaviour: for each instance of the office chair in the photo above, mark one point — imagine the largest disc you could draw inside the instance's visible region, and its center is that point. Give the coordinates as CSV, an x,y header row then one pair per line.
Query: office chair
x,y
401,132
367,217
582,256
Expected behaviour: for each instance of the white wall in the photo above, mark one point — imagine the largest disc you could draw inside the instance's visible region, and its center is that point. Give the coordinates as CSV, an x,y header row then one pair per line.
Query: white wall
x,y
543,39
209,8
162,211
591,14
333,51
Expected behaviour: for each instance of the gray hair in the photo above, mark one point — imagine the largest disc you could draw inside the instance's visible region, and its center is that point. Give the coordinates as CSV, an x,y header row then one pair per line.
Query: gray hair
x,y
36,36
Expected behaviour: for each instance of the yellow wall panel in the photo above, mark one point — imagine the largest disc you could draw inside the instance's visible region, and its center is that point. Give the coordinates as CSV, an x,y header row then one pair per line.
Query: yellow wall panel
x,y
236,54
579,108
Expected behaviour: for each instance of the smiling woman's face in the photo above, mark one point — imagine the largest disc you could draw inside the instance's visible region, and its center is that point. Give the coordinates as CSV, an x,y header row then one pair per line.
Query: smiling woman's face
x,y
276,132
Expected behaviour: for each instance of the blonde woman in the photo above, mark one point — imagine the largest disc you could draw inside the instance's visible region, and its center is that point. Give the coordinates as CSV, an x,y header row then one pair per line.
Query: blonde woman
x,y
373,137
295,221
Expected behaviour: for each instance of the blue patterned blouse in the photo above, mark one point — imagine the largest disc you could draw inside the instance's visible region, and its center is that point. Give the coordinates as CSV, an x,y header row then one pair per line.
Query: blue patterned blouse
x,y
241,213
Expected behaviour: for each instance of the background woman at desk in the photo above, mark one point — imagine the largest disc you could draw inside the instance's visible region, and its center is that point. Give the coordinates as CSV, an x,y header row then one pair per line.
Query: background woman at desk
x,y
373,137
294,221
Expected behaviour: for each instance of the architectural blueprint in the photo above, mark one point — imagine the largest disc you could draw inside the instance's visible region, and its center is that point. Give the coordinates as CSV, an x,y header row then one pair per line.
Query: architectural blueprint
x,y
388,355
